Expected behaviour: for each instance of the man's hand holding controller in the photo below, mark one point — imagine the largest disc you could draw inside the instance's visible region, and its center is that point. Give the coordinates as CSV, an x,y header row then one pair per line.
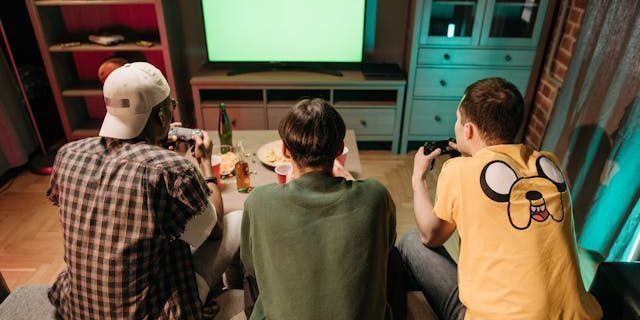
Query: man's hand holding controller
x,y
178,133
199,139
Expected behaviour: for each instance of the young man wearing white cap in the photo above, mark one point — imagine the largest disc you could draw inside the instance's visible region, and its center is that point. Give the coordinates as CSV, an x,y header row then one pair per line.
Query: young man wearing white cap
x,y
139,221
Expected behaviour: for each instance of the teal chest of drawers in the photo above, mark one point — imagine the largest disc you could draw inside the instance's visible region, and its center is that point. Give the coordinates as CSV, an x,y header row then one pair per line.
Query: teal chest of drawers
x,y
455,43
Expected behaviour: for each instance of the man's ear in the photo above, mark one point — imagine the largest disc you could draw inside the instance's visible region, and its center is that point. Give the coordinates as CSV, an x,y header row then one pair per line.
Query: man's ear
x,y
469,130
286,152
340,149
161,117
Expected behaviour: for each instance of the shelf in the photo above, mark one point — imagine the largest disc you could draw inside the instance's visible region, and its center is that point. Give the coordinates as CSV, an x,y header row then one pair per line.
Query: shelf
x,y
83,90
90,128
365,104
291,96
127,46
44,3
457,3
73,70
232,104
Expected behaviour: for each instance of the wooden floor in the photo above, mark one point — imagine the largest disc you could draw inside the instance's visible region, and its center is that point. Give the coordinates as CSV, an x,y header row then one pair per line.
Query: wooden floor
x,y
31,249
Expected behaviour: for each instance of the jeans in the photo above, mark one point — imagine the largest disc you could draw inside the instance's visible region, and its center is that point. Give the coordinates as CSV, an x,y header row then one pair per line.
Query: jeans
x,y
435,274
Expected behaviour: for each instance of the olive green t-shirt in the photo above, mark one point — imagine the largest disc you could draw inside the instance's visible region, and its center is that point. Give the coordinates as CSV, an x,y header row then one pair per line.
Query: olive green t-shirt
x,y
318,248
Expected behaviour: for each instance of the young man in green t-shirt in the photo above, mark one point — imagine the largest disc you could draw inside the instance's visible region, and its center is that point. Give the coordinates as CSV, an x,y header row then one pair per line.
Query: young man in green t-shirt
x,y
318,245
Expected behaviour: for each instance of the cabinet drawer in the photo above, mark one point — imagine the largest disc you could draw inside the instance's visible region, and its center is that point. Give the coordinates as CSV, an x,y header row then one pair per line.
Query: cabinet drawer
x,y
274,115
447,82
369,121
241,118
433,117
480,57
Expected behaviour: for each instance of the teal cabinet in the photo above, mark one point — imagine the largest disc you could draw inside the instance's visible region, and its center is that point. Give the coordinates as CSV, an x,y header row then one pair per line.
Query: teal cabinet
x,y
452,22
455,43
513,22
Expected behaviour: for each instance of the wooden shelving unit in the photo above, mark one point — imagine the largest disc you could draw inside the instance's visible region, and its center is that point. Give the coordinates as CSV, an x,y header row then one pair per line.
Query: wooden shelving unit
x,y
372,108
73,70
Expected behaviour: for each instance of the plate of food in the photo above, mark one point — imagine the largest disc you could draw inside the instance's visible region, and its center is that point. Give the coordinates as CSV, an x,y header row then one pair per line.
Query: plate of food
x,y
228,163
271,154
228,158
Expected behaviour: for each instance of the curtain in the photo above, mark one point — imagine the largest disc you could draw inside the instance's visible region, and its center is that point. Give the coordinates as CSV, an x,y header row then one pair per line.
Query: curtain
x,y
594,129
17,138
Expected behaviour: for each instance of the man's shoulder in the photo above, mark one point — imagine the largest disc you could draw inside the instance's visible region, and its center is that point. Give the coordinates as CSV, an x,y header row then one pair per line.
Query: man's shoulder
x,y
160,158
266,191
371,185
83,145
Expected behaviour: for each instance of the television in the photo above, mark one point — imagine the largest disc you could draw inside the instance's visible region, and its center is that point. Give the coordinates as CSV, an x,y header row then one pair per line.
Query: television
x,y
280,33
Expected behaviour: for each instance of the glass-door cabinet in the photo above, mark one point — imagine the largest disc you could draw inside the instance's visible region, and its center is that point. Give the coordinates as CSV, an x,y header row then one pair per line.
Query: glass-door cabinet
x,y
482,22
452,22
513,22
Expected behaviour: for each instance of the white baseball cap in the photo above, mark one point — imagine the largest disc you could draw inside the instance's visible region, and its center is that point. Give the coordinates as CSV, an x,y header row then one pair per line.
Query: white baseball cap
x,y
130,93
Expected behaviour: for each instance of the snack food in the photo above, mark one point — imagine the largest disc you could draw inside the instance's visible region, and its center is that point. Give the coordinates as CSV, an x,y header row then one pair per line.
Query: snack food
x,y
228,163
271,154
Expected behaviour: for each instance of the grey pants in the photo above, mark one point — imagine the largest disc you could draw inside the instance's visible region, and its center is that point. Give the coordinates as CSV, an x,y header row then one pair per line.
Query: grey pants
x,y
435,274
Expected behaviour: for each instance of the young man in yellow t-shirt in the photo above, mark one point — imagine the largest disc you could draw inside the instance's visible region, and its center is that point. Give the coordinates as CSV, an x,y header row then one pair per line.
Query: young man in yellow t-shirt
x,y
512,209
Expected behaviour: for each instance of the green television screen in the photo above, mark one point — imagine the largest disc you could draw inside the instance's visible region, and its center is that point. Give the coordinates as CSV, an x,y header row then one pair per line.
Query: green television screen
x,y
284,30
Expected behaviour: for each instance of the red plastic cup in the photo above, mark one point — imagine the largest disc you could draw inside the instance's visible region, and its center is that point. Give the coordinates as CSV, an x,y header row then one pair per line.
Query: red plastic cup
x,y
343,157
215,166
283,171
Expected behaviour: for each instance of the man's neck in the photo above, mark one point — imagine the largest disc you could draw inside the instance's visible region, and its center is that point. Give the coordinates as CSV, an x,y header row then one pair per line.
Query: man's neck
x,y
300,171
478,145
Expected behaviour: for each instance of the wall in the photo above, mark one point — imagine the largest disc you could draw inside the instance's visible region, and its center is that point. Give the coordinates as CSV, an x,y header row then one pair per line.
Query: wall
x,y
555,67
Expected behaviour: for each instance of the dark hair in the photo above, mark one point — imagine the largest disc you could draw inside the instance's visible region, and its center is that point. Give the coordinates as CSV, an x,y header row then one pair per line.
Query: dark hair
x,y
494,105
313,132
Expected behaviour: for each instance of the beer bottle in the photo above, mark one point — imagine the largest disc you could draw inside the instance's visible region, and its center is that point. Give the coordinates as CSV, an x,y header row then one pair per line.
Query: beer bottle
x,y
243,180
224,126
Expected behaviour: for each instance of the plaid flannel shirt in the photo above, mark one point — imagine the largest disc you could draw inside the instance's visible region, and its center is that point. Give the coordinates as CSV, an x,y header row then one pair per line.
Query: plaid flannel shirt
x,y
123,204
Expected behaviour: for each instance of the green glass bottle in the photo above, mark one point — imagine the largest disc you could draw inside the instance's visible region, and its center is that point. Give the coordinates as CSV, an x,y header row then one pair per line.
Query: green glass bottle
x,y
224,126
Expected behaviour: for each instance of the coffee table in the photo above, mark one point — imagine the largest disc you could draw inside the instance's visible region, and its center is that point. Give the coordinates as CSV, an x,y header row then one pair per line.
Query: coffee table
x,y
262,174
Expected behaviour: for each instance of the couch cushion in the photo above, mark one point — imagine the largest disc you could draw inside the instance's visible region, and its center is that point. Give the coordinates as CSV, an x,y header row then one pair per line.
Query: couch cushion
x,y
26,303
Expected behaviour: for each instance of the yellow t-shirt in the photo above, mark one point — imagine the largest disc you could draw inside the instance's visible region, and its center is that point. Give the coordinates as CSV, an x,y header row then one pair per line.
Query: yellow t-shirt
x,y
518,257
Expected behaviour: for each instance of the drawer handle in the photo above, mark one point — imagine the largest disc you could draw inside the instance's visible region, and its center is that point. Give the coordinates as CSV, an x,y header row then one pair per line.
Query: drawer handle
x,y
447,56
363,123
437,118
443,83
507,58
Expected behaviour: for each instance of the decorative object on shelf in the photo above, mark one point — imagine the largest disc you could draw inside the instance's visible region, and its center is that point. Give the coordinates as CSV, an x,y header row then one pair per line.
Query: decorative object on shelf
x,y
109,65
69,44
146,44
106,39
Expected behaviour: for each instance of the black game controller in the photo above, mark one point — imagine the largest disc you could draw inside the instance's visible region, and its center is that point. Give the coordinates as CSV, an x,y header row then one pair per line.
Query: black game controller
x,y
185,134
443,145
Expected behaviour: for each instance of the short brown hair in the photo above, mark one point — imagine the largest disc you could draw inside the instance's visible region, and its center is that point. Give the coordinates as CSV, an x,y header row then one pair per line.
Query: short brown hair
x,y
496,106
313,132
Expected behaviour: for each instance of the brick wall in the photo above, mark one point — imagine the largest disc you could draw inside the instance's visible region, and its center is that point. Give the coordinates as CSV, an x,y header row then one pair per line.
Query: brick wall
x,y
549,83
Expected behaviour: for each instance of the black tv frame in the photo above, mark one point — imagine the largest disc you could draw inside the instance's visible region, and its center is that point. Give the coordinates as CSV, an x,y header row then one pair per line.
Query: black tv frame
x,y
330,68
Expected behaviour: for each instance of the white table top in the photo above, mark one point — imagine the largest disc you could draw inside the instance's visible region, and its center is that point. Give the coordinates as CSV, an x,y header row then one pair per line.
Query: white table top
x,y
262,174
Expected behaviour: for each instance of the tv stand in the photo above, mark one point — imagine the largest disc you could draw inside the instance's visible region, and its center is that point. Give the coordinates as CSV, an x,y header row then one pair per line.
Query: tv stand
x,y
284,67
258,101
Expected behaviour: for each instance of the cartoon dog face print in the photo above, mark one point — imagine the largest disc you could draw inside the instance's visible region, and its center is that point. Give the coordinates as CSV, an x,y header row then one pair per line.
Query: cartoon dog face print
x,y
529,199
